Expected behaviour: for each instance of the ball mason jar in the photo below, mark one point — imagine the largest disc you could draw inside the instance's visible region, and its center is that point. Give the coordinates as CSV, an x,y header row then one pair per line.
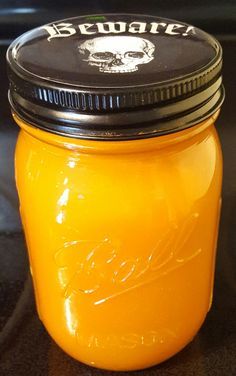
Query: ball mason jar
x,y
119,171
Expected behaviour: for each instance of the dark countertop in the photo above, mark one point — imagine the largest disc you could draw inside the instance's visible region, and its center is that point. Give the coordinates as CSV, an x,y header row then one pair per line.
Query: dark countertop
x,y
25,347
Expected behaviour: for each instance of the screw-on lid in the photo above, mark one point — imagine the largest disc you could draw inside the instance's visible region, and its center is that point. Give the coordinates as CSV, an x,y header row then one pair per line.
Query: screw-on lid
x,y
115,76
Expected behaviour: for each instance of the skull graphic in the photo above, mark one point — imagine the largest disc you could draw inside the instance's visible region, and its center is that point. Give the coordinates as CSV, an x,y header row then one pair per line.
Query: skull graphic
x,y
117,54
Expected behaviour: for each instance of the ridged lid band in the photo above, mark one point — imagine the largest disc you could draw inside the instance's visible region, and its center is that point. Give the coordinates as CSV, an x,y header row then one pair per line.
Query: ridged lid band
x,y
122,125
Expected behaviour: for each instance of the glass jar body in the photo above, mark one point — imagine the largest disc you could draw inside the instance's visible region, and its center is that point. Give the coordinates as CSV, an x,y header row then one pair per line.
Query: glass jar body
x,y
121,238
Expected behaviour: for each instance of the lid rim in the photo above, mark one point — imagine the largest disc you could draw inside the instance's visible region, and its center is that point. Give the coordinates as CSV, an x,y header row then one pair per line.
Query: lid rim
x,y
50,82
50,94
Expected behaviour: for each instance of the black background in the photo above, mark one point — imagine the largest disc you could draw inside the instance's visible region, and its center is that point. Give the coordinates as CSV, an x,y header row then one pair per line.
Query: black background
x,y
25,347
17,16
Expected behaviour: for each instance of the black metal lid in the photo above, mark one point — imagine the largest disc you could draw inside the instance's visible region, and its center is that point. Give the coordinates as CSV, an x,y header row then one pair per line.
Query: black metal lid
x,y
115,76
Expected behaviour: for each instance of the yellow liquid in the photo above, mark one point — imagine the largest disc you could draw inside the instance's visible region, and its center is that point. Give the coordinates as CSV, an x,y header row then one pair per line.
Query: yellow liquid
x,y
121,238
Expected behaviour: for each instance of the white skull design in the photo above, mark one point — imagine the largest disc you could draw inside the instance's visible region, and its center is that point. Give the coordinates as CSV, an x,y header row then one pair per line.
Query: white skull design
x,y
117,54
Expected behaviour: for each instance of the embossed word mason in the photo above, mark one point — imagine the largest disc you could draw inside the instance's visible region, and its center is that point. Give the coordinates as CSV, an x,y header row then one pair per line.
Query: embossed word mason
x,y
64,29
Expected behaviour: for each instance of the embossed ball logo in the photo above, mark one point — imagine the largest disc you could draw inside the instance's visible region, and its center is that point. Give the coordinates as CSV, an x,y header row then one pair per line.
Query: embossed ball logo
x,y
119,54
98,271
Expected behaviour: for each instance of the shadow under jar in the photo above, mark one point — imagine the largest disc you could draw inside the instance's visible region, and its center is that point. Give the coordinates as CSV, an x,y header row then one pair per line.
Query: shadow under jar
x,y
119,171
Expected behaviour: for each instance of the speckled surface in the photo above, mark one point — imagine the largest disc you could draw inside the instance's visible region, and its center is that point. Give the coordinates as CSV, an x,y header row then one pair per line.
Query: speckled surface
x,y
25,347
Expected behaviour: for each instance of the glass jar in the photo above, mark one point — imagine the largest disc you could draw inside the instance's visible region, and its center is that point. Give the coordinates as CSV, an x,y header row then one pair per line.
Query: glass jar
x,y
119,171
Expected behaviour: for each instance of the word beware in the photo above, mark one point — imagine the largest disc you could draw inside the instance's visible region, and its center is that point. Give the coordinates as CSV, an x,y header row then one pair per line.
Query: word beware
x,y
64,29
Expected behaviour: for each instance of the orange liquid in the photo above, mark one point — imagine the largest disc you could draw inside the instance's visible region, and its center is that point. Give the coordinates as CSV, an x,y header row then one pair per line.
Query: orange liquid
x,y
121,238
